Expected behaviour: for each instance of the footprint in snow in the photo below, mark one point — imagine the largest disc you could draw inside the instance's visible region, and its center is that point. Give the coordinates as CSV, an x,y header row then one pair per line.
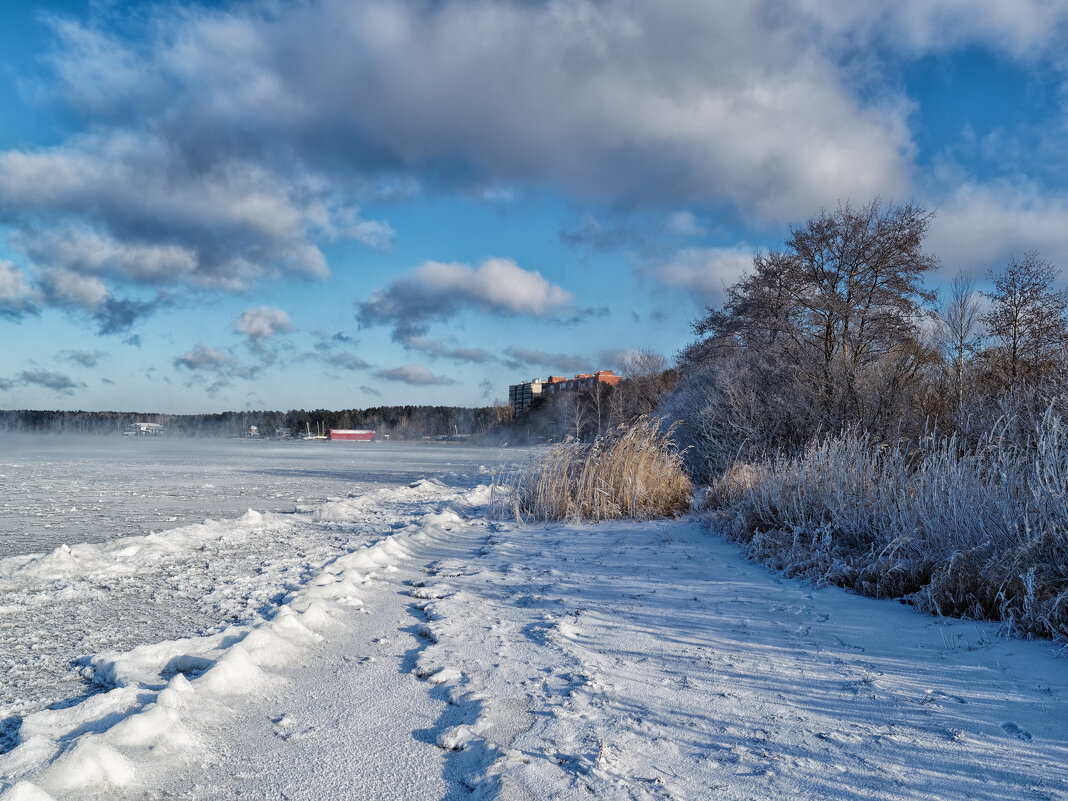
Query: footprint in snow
x,y
286,728
1016,731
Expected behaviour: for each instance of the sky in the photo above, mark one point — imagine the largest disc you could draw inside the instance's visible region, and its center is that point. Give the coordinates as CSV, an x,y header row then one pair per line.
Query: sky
x,y
336,204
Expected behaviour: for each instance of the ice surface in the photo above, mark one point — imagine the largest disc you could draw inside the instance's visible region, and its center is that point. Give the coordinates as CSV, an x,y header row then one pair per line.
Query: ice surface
x,y
74,489
76,584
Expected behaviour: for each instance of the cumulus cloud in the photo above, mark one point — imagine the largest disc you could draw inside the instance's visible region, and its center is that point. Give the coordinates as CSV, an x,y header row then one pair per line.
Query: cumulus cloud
x,y
16,296
262,323
87,293
436,291
6,384
684,223
370,391
519,357
59,383
345,359
221,147
413,374
335,351
978,227
620,100
1025,29
85,358
203,358
701,273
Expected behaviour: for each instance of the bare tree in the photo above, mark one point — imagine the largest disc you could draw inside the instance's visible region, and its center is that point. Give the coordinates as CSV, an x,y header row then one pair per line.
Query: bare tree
x,y
961,327
645,380
832,315
1027,318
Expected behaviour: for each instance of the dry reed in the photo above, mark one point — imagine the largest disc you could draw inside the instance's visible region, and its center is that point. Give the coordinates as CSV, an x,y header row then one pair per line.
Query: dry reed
x,y
634,473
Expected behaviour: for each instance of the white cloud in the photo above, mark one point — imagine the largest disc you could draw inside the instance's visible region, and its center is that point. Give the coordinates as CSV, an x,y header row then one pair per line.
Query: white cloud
x,y
1024,29
59,383
436,290
979,227
413,374
90,252
130,204
87,293
702,273
16,296
67,288
440,349
202,357
262,323
224,145
744,103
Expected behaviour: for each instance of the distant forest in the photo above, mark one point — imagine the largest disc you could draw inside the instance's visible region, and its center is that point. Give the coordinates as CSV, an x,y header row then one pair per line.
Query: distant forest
x,y
581,415
399,422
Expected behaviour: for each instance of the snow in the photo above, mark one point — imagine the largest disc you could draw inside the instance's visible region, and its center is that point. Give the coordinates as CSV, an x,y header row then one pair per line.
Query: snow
x,y
395,643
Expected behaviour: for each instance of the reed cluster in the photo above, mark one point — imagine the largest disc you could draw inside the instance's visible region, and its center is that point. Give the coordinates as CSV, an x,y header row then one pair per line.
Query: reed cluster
x,y
635,472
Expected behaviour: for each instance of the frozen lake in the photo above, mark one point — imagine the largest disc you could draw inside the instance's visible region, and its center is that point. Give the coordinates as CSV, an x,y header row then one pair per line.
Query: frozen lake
x,y
107,543
59,489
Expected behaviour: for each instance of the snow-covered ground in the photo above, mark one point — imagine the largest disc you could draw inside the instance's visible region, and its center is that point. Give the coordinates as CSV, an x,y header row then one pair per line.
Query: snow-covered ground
x,y
428,652
75,501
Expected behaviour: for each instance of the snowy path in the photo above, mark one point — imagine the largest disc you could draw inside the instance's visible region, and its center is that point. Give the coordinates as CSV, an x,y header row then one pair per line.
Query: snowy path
x,y
652,661
459,657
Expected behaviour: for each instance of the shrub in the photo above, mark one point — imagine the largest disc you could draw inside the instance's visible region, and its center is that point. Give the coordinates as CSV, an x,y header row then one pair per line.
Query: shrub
x,y
978,531
635,472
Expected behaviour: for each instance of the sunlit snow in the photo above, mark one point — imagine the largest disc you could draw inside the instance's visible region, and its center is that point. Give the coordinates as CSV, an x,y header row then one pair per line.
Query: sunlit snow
x,y
383,639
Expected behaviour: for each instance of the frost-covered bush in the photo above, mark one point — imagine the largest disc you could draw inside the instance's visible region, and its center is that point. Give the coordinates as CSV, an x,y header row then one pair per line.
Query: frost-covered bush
x,y
976,530
636,472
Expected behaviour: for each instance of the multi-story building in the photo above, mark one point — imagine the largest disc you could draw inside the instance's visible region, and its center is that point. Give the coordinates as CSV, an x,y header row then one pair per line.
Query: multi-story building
x,y
522,396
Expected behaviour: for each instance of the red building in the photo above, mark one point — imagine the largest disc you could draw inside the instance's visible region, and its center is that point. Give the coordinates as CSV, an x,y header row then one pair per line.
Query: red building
x,y
351,434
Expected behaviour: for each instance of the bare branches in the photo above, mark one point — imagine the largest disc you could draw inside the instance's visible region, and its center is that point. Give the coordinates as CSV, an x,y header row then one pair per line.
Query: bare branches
x,y
961,327
1027,318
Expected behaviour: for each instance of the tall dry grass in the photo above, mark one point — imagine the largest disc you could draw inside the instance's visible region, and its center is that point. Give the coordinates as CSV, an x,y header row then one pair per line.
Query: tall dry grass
x,y
634,473
979,531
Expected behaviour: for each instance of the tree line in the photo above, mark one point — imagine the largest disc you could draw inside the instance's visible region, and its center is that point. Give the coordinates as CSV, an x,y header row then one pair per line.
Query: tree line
x,y
401,422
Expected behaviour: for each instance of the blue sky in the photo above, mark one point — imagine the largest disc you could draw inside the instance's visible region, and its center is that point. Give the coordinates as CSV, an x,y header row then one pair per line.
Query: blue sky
x,y
335,204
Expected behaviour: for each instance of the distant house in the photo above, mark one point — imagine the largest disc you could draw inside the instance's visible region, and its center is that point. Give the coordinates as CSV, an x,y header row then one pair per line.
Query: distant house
x,y
522,396
143,430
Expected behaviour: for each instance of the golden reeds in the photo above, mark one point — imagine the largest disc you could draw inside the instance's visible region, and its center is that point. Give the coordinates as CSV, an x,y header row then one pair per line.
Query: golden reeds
x,y
634,473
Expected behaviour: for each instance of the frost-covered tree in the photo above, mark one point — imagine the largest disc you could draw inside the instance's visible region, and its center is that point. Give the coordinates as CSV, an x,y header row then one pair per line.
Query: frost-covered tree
x,y
822,333
1027,319
960,322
